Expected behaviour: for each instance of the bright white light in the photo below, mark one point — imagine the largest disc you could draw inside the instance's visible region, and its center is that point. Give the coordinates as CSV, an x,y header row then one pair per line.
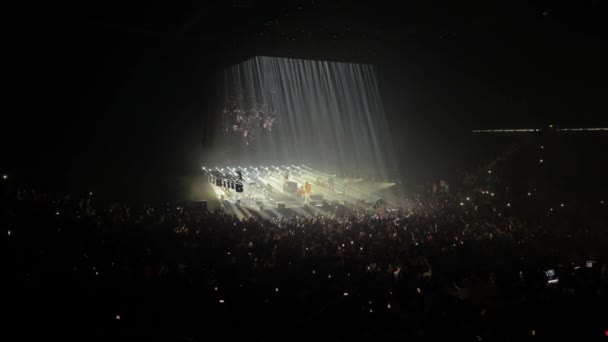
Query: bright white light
x,y
57,213
4,176
562,205
461,203
345,294
489,171
540,161
508,204
468,198
492,194
276,290
9,233
541,146
529,194
221,301
118,317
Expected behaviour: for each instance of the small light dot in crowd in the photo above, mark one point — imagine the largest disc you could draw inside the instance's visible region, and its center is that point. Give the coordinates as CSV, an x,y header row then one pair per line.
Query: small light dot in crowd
x,y
371,311
329,276
345,294
533,332
348,274
91,193
489,171
9,233
314,272
551,209
276,289
221,301
601,202
370,302
215,288
468,198
492,194
306,248
57,213
561,205
508,204
529,194
228,253
352,242
540,160
342,245
96,273
418,290
388,306
4,176
118,317
360,248
461,203
541,146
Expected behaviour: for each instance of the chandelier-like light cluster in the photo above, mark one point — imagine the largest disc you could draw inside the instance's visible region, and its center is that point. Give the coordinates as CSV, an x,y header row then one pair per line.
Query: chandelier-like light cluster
x,y
247,118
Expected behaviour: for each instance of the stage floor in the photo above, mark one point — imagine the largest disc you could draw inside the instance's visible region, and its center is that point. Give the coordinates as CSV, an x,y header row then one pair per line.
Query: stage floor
x,y
263,189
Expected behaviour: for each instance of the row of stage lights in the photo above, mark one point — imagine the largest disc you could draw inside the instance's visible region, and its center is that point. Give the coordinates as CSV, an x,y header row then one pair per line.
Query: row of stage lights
x,y
255,169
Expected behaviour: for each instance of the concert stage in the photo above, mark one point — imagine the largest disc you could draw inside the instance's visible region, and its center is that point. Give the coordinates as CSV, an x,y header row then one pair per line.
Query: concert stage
x,y
277,190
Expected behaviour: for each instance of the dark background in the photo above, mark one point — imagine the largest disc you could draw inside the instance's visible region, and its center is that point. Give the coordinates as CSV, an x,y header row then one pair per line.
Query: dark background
x,y
120,98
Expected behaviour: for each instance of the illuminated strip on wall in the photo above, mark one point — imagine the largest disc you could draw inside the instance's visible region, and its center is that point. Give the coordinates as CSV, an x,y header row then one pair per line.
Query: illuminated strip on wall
x,y
582,129
506,130
529,130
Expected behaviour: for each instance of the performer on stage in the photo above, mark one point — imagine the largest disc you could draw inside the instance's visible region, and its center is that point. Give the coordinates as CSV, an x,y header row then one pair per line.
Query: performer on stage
x,y
346,185
307,190
330,183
